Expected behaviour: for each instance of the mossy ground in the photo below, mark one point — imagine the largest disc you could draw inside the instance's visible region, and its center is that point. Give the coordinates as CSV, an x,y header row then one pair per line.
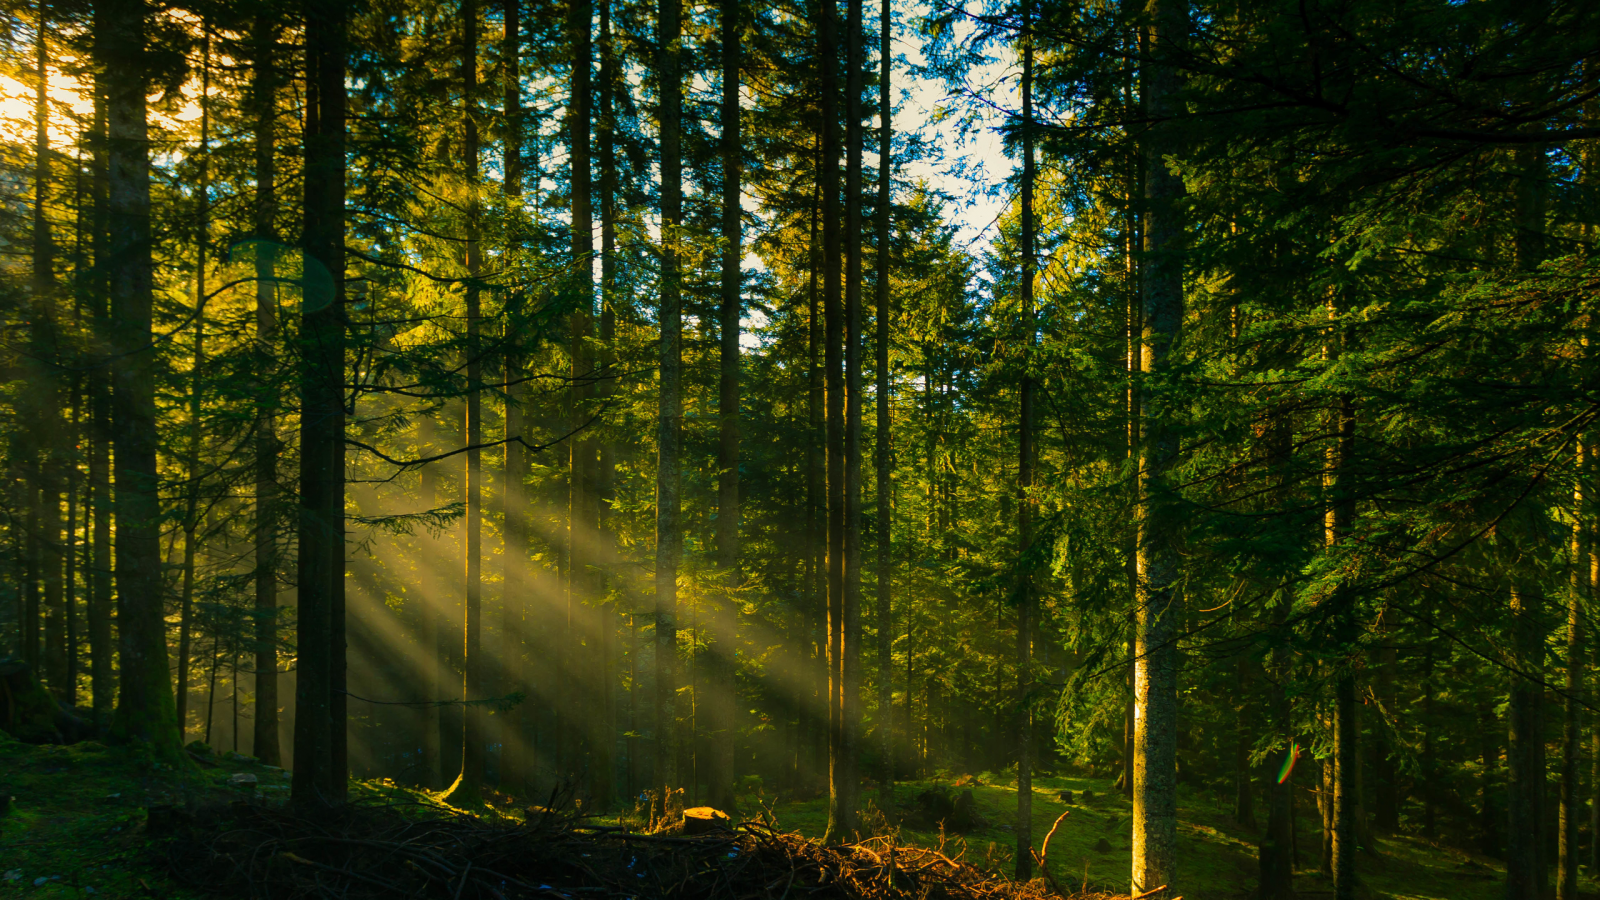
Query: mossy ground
x,y
77,829
1217,856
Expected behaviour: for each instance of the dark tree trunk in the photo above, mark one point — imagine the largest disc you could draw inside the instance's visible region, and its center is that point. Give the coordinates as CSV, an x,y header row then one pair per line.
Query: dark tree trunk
x,y
515,759
266,449
319,777
1160,604
839,808
469,783
145,711
669,418
1026,601
885,473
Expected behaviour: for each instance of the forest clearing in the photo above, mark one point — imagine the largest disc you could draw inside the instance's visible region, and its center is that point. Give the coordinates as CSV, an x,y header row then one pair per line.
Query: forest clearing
x,y
909,450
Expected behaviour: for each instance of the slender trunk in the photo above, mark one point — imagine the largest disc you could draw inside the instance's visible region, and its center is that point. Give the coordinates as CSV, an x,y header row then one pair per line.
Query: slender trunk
x,y
1526,875
816,602
1159,607
319,727
719,772
833,315
191,523
45,385
669,533
145,711
514,594
885,473
1337,522
430,637
605,478
1276,855
469,784
266,448
581,448
1244,793
98,514
1026,600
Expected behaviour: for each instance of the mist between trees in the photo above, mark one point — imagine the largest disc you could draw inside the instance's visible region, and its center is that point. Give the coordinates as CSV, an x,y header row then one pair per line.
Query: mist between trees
x,y
498,395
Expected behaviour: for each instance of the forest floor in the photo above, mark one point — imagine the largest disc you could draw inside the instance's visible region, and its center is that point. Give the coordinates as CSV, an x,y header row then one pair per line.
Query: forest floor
x,y
1217,856
78,827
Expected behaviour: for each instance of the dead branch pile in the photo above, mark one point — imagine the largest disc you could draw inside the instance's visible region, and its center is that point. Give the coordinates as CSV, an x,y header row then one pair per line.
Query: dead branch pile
x,y
255,851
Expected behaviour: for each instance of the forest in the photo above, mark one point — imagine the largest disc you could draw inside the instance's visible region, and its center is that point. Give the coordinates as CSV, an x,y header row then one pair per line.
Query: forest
x,y
741,403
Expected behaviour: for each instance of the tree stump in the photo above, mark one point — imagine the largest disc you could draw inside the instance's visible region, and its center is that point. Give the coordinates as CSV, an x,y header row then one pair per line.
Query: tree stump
x,y
705,820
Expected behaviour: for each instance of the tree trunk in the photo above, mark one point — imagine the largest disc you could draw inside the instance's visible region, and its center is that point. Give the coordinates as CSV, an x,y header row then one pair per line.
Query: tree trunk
x,y
885,473
605,478
669,418
1525,872
1026,601
1159,608
320,570
145,711
815,714
101,642
514,754
266,448
719,774
191,523
469,783
839,808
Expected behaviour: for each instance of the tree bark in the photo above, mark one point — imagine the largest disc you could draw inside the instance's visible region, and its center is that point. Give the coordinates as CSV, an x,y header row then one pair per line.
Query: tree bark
x,y
514,595
318,781
885,465
669,418
469,783
1159,608
839,800
101,641
266,446
1026,600
145,711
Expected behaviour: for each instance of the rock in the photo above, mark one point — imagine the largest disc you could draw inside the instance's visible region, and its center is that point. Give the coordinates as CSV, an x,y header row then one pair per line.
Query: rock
x,y
1065,796
242,780
705,820
1102,846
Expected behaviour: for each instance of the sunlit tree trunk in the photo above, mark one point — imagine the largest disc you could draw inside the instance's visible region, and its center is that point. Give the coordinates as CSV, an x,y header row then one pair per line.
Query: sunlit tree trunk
x,y
145,711
266,446
813,713
1026,601
605,480
1160,602
318,780
669,529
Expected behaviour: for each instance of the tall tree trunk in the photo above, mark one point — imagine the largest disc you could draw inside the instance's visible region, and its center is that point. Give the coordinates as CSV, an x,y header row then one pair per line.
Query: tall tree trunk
x,y
514,593
469,783
669,417
45,383
266,447
1277,856
1160,604
816,602
320,571
720,663
145,711
839,809
101,641
605,479
191,520
430,636
1025,595
582,510
1526,875
885,473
